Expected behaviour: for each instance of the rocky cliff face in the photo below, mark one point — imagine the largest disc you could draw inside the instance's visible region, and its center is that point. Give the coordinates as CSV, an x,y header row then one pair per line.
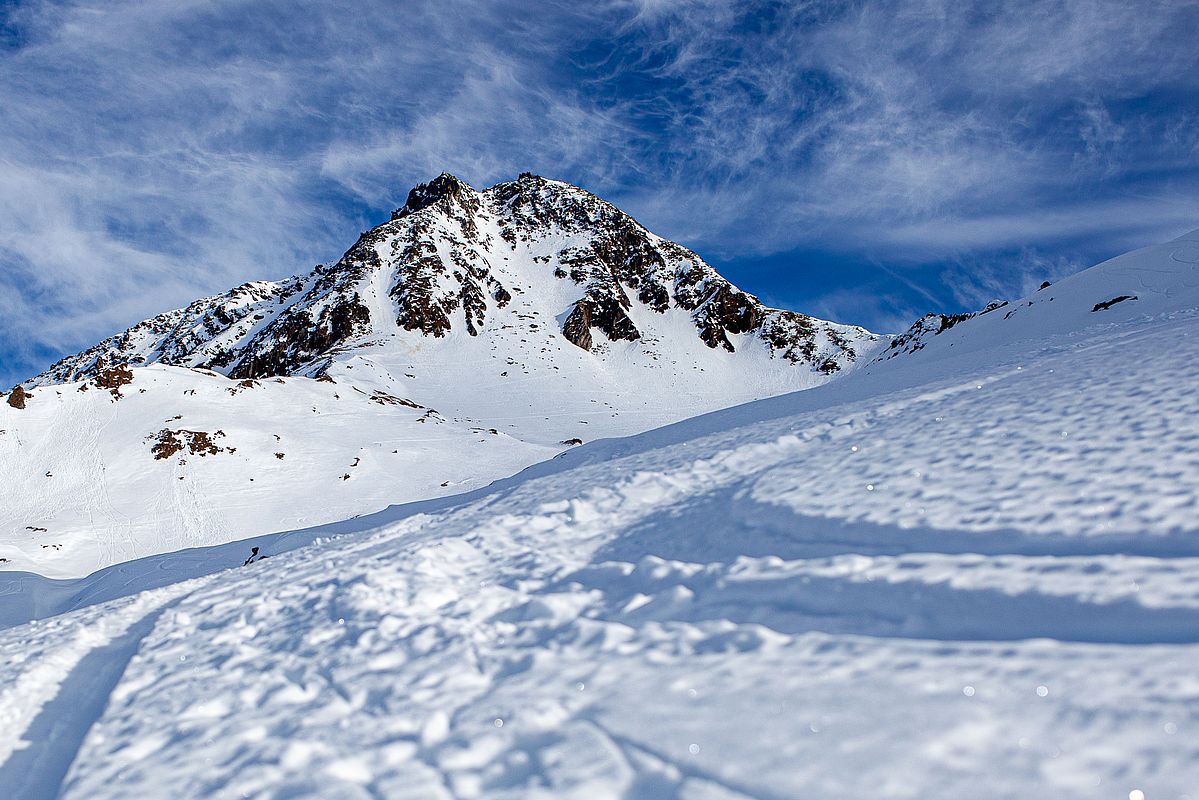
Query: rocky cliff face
x,y
446,263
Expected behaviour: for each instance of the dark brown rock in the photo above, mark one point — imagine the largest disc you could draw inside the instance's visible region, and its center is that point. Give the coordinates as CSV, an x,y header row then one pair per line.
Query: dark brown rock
x,y
113,378
727,310
17,397
297,338
1106,304
576,328
198,443
604,311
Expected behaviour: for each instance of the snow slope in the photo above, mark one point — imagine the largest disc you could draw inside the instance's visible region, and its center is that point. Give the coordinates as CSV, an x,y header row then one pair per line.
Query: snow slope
x,y
447,358
971,570
293,453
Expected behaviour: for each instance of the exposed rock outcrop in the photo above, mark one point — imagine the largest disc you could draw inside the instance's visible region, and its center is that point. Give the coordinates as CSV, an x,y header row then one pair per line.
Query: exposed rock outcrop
x,y
18,397
197,443
922,330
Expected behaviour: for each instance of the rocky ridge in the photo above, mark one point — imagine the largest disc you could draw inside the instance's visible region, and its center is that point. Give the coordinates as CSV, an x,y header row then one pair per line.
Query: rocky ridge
x,y
437,267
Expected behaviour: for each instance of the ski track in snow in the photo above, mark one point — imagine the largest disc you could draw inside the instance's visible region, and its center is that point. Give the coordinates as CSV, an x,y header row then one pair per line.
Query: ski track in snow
x,y
35,742
975,577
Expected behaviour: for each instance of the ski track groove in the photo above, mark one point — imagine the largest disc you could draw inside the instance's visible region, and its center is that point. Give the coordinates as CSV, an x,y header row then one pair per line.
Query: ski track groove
x,y
39,770
30,694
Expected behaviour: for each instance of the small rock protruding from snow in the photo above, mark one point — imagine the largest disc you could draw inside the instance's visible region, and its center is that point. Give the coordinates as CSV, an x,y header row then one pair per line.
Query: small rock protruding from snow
x,y
18,397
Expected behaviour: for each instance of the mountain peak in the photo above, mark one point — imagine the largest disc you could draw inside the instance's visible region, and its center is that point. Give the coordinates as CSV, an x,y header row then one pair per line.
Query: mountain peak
x,y
493,272
427,194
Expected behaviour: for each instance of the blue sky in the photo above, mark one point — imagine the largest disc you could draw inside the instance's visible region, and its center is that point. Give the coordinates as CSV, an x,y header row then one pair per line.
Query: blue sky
x,y
865,161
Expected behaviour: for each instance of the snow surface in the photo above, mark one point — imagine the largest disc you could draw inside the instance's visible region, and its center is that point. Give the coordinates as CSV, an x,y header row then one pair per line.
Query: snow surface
x,y
970,571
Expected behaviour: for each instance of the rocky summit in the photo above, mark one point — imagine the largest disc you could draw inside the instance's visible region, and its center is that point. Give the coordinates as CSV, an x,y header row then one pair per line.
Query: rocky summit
x,y
451,260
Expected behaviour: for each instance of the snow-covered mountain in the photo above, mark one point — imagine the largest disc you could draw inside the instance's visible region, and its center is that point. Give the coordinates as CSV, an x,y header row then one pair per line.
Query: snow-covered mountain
x,y
523,268
473,334
967,570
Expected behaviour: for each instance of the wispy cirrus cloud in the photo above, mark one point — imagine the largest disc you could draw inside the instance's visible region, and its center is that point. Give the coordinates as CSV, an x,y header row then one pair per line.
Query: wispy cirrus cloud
x,y
151,152
883,114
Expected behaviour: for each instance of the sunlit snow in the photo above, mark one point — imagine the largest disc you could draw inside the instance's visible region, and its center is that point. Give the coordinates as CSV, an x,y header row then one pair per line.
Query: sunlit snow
x,y
714,609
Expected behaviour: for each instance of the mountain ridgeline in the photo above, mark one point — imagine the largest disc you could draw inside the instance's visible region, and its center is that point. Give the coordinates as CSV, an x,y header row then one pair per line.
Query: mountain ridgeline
x,y
446,263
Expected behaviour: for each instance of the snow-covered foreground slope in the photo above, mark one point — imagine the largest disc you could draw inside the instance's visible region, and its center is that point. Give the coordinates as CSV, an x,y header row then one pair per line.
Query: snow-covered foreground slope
x,y
470,336
972,571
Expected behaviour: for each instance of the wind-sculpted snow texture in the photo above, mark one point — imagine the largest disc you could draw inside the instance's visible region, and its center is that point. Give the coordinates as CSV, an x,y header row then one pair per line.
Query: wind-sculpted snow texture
x,y
967,571
473,334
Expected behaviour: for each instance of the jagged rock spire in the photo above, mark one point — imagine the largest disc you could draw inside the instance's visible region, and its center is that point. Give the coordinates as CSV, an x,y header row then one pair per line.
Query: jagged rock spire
x,y
426,194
